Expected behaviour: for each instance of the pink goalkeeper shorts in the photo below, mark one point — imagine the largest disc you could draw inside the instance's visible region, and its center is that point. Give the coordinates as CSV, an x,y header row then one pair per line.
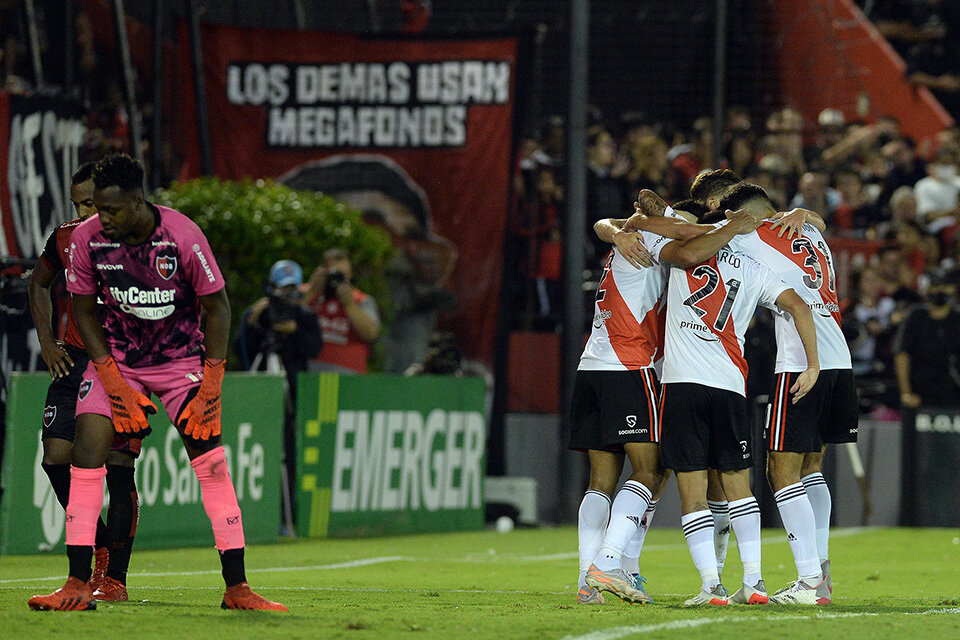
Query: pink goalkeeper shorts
x,y
170,381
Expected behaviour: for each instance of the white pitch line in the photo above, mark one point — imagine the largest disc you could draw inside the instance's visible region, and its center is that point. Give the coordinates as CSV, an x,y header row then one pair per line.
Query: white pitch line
x,y
363,562
615,633
475,559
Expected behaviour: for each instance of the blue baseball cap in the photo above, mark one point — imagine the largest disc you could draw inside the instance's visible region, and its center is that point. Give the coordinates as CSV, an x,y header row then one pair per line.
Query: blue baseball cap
x,y
283,273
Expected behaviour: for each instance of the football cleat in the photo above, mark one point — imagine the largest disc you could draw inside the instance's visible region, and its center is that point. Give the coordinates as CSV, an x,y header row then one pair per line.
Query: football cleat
x,y
718,597
825,570
801,593
75,595
589,595
241,596
112,590
101,560
619,583
757,594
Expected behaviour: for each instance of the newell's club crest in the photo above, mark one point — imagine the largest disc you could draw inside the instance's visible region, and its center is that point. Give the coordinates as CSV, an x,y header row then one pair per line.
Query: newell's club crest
x,y
166,266
84,390
49,415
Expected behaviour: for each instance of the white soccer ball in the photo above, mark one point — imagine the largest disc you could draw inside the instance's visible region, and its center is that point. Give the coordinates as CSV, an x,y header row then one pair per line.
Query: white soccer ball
x,y
504,524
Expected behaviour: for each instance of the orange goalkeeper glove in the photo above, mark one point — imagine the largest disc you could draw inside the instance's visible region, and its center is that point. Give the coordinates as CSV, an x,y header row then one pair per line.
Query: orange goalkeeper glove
x,y
201,418
128,406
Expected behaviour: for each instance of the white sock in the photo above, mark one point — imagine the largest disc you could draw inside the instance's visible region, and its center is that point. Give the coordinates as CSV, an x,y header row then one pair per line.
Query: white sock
x,y
745,520
721,530
801,527
630,504
819,495
698,530
630,560
591,523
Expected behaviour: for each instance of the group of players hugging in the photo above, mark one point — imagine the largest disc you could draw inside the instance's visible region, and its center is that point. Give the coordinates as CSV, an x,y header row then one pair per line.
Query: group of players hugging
x,y
679,291
138,276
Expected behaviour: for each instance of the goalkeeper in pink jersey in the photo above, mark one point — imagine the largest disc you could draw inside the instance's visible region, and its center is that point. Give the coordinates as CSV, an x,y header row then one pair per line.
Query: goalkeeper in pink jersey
x,y
153,271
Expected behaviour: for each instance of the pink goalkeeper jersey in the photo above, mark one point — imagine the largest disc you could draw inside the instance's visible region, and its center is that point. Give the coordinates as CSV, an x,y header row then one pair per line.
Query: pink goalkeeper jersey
x,y
151,309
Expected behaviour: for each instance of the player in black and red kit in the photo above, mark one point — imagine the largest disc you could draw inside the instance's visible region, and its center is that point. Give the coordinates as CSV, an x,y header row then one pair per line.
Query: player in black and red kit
x,y
63,351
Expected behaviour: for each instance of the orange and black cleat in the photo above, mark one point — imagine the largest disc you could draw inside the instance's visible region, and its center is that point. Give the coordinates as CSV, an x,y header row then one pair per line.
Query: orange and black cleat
x,y
241,596
75,595
111,590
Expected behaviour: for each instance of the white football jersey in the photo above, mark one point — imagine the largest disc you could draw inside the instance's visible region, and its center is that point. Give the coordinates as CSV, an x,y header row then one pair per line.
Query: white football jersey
x,y
806,264
628,316
709,307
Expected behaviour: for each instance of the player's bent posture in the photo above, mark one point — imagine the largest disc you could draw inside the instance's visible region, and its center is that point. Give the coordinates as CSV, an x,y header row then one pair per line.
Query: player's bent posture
x,y
66,360
704,417
797,432
153,269
709,189
605,407
613,412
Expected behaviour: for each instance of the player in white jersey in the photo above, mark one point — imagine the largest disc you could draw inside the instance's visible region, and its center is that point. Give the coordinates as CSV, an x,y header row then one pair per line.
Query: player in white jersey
x,y
797,433
704,417
706,192
614,409
604,392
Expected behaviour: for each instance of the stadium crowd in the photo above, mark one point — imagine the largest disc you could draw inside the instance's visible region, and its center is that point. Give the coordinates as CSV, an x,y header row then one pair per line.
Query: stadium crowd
x,y
891,208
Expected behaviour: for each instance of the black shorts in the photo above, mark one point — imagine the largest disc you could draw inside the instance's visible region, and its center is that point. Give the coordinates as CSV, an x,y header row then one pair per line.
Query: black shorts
x,y
612,408
829,413
59,411
703,427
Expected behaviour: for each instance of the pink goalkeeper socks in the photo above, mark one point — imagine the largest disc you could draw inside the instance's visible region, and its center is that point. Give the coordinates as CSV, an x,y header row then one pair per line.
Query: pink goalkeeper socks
x,y
219,499
83,507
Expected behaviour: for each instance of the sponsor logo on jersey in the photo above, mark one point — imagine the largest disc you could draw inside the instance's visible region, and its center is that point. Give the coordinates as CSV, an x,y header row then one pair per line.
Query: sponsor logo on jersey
x,y
166,266
84,389
700,331
101,245
109,267
631,421
163,243
49,415
824,309
132,296
203,263
600,317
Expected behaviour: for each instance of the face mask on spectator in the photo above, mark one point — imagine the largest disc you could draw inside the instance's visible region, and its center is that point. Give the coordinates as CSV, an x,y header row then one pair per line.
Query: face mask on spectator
x,y
944,172
939,298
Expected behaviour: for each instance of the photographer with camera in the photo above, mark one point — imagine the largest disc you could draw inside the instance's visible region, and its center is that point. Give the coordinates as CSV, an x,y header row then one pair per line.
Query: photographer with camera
x,y
348,317
279,325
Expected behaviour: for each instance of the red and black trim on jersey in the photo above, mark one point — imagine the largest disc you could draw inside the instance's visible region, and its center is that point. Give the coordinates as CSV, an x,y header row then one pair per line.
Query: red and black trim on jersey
x,y
56,255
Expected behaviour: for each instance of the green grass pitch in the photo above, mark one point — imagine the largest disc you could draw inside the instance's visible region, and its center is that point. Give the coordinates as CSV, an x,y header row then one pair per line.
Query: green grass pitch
x,y
888,583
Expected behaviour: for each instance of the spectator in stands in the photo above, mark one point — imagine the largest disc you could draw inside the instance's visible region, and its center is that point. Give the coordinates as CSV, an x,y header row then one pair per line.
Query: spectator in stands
x,y
816,194
868,319
606,188
905,169
349,319
928,348
857,210
938,193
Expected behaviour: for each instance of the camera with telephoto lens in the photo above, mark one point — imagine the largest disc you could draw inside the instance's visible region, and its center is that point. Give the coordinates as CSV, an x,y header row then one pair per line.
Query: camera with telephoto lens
x,y
334,280
282,304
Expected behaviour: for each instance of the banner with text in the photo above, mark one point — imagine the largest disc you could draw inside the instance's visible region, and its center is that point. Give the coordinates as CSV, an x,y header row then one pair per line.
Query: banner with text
x,y
40,141
930,450
171,510
381,455
416,134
